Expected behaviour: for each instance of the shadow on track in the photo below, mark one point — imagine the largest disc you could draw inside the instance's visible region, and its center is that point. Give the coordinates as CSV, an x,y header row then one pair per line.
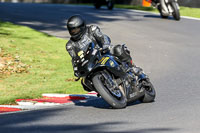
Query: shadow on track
x,y
101,104
53,17
158,17
44,121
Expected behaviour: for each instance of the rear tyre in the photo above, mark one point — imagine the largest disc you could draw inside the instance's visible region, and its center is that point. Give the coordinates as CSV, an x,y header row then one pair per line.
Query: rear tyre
x,y
176,13
150,92
117,103
97,6
110,5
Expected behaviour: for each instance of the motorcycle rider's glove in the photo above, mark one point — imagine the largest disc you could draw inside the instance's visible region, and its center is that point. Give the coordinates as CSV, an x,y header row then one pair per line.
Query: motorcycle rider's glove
x,y
105,48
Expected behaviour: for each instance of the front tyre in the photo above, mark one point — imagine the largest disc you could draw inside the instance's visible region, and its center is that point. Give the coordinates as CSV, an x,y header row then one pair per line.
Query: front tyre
x,y
176,13
116,102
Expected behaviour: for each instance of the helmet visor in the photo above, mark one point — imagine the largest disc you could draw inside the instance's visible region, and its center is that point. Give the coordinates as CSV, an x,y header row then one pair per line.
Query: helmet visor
x,y
74,31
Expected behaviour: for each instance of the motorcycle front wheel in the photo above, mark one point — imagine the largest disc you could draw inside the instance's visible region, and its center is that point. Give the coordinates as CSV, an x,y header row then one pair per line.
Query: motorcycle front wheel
x,y
176,13
116,99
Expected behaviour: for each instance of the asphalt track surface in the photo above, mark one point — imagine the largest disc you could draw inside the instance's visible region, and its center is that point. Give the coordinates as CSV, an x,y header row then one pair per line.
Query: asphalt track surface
x,y
166,49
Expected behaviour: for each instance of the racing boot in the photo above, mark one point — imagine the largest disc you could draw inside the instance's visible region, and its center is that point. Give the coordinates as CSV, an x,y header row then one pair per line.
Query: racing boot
x,y
137,71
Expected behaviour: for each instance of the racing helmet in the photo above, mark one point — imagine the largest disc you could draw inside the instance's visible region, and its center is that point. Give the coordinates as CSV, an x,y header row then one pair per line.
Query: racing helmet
x,y
76,26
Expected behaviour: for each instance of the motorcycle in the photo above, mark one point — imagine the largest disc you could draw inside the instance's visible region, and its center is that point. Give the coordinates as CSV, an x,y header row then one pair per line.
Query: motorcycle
x,y
111,78
167,8
108,3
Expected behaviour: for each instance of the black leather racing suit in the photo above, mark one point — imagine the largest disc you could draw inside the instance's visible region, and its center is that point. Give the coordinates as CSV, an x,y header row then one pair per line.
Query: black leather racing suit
x,y
93,34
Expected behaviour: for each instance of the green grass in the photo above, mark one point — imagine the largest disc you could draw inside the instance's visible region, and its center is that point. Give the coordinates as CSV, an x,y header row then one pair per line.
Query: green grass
x,y
184,11
49,61
190,12
135,7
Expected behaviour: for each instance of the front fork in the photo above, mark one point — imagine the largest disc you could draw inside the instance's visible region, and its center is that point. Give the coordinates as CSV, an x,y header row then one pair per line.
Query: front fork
x,y
166,6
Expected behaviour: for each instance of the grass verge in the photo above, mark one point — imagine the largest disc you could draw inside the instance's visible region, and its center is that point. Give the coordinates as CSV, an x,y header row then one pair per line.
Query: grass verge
x,y
50,68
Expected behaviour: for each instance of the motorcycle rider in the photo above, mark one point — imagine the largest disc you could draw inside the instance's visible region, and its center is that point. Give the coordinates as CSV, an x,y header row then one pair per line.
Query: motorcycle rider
x,y
82,35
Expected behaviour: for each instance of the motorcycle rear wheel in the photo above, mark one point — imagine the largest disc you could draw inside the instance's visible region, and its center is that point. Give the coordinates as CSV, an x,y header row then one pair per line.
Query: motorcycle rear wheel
x,y
97,6
176,13
107,95
110,5
149,95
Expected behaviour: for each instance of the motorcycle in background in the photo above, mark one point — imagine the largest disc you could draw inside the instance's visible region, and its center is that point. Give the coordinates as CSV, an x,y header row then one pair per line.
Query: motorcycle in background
x,y
108,3
167,8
